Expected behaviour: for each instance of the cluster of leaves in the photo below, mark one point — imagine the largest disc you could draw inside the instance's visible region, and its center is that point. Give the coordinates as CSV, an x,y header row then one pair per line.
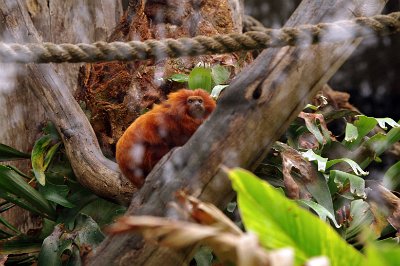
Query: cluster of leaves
x,y
71,221
272,221
327,174
211,79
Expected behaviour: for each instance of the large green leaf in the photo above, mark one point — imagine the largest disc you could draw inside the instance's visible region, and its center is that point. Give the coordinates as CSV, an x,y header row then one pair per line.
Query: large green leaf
x,y
280,222
11,182
383,255
7,154
200,77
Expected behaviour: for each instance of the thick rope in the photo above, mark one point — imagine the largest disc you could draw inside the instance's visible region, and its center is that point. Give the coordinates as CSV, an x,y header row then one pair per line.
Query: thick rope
x,y
258,38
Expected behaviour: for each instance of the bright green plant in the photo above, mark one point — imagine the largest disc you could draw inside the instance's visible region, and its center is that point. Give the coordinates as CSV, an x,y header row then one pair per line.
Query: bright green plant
x,y
71,220
279,222
212,79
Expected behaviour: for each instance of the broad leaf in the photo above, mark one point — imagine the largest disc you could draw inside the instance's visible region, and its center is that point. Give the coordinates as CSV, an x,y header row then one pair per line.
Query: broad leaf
x,y
280,222
220,74
57,194
200,77
7,154
383,255
361,218
179,78
357,184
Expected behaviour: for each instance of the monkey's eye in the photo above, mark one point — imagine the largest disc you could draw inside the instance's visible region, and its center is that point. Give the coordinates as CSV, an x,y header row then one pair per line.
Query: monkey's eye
x,y
200,101
190,101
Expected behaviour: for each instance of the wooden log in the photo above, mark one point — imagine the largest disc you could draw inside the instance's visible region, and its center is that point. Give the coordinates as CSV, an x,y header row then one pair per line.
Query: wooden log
x,y
254,111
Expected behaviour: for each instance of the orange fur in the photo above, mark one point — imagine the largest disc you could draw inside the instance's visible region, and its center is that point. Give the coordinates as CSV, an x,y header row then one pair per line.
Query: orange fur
x,y
155,133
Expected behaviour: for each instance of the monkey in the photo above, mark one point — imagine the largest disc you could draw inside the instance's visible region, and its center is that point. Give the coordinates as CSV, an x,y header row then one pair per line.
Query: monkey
x,y
153,134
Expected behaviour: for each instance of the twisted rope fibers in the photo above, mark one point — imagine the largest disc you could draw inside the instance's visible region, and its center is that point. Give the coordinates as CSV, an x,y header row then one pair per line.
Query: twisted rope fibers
x,y
257,37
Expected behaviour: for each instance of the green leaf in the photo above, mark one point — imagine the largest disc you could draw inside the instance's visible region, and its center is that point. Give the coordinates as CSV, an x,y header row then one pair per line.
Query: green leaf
x,y
351,133
320,210
9,226
354,166
357,184
380,142
50,129
109,211
216,91
13,183
311,106
364,125
391,178
220,74
362,218
280,222
311,156
200,77
8,154
18,201
382,254
37,157
50,154
57,194
319,190
383,121
20,246
179,78
86,234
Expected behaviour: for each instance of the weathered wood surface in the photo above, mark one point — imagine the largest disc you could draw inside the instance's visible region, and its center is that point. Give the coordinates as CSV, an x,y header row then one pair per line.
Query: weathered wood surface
x,y
52,84
22,114
254,112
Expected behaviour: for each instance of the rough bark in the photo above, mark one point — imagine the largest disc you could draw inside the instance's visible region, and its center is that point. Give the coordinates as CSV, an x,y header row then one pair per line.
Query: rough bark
x,y
58,21
255,110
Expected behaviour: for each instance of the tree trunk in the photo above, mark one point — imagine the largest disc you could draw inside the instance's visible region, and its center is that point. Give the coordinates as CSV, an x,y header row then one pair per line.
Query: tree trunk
x,y
58,21
254,112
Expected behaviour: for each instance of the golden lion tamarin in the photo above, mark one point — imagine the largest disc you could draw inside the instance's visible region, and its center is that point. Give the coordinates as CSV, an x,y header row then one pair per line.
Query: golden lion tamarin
x,y
155,133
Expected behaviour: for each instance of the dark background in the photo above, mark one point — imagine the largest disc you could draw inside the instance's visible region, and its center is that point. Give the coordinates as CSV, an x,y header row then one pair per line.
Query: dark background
x,y
372,73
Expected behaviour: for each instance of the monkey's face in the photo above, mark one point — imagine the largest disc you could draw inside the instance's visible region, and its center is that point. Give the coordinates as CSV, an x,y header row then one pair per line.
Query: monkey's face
x,y
195,105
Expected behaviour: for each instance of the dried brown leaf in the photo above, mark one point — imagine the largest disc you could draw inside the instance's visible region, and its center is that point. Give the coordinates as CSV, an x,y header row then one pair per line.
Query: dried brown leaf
x,y
207,214
243,249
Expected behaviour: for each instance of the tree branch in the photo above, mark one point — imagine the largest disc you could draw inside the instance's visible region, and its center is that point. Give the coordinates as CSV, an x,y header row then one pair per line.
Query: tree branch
x,y
253,112
92,169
